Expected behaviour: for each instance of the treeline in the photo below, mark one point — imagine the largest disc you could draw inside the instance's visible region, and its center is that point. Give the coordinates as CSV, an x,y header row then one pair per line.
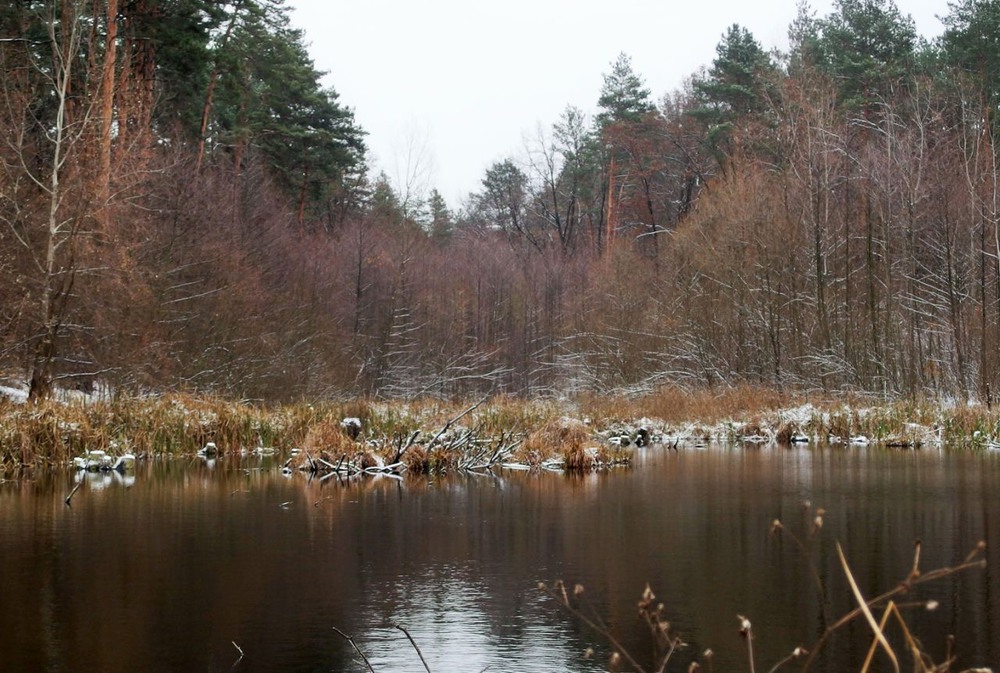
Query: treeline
x,y
184,206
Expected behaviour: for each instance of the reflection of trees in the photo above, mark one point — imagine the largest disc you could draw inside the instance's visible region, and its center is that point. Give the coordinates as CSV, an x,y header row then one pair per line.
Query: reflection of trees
x,y
171,570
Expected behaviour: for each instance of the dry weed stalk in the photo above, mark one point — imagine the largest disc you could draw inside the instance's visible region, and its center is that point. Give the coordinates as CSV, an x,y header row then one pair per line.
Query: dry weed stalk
x,y
922,661
666,643
357,649
815,526
394,625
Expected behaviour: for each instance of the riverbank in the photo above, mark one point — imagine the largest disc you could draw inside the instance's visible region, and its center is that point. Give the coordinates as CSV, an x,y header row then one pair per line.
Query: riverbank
x,y
431,435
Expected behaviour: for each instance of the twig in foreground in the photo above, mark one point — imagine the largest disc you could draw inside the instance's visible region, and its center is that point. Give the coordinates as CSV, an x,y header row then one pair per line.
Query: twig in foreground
x,y
746,630
414,643
238,659
356,648
863,605
558,592
973,560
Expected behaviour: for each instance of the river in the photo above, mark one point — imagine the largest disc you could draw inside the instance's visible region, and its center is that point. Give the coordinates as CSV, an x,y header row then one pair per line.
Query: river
x,y
187,563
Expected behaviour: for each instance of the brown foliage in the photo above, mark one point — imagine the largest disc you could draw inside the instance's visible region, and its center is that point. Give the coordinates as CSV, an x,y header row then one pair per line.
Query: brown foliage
x,y
557,436
328,436
674,404
808,251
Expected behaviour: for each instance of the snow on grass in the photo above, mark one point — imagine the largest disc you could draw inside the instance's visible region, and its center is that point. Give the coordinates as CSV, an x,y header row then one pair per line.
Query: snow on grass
x,y
17,395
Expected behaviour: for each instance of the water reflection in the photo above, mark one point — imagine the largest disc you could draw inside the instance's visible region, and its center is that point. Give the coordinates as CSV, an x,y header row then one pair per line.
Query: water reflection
x,y
165,570
452,617
96,481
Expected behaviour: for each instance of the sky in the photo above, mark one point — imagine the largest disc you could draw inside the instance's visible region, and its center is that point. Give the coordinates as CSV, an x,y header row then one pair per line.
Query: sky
x,y
444,88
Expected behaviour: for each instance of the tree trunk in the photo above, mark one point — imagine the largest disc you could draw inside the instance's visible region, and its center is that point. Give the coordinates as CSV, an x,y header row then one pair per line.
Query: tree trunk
x,y
57,277
213,81
106,107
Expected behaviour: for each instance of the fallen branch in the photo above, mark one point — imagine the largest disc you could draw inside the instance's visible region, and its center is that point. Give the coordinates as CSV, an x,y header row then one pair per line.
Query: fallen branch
x,y
447,426
403,449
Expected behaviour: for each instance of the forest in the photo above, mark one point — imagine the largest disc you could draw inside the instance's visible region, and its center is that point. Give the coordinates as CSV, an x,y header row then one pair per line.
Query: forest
x,y
184,206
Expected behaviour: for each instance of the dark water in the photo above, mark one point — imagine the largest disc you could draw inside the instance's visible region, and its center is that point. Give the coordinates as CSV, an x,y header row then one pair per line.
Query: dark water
x,y
166,572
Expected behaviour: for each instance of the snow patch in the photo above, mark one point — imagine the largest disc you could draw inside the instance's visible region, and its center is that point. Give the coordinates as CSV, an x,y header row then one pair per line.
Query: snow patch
x,y
16,395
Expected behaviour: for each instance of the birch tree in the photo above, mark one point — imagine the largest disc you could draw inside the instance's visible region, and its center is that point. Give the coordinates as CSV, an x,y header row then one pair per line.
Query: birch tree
x,y
47,205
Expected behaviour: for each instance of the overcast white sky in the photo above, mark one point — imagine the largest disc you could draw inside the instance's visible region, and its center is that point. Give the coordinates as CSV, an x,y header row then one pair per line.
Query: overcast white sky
x,y
457,84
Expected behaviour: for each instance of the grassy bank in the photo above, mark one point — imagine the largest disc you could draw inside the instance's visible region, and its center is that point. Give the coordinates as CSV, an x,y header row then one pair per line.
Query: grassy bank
x,y
430,435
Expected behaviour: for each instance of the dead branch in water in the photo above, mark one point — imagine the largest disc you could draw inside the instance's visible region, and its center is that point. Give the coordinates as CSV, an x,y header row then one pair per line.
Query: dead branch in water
x,y
402,449
75,489
238,649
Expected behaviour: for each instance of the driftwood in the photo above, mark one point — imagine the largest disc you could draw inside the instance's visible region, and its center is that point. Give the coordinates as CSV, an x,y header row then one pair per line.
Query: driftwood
x,y
447,426
467,449
402,449
414,643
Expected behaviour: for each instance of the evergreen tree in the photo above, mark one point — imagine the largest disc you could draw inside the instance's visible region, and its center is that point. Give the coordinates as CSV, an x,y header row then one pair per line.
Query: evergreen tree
x,y
803,40
868,47
271,98
440,218
737,81
505,197
581,178
384,204
170,40
624,97
738,85
971,43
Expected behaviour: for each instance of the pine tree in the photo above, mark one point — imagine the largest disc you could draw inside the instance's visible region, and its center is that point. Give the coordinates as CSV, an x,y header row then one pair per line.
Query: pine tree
x,y
270,96
803,40
868,47
738,85
971,42
737,82
440,218
624,97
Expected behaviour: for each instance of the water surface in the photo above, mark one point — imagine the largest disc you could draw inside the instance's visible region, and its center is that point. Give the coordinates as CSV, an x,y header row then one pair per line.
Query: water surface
x,y
164,572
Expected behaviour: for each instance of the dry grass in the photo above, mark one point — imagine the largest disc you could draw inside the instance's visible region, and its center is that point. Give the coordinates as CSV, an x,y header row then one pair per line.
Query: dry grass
x,y
53,432
674,405
557,436
507,414
329,437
